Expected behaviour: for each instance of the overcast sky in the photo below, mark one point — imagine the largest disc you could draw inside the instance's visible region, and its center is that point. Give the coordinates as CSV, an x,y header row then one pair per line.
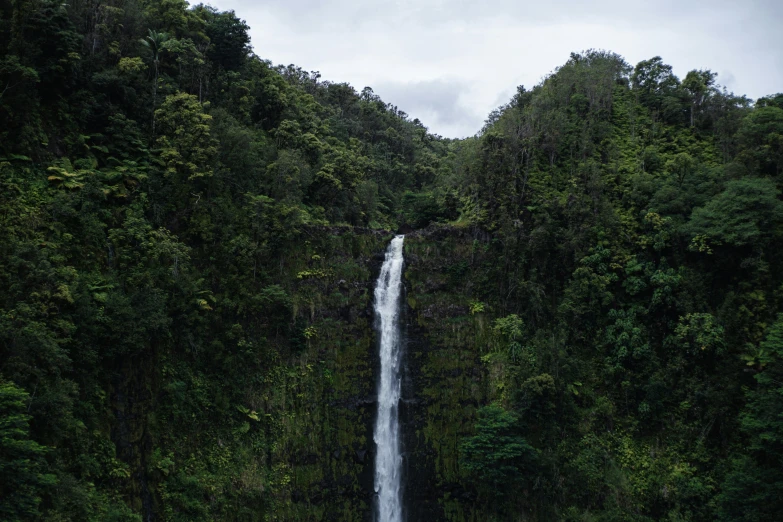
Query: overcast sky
x,y
450,62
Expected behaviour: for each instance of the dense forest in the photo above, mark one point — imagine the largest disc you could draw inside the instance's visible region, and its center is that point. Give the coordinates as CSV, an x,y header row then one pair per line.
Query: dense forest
x,y
189,237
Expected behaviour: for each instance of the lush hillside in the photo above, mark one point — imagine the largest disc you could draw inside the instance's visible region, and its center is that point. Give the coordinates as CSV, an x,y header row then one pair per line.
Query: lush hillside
x,y
185,327
620,289
189,238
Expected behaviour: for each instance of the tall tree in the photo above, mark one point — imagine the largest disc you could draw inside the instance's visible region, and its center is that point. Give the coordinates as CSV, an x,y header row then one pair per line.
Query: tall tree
x,y
153,42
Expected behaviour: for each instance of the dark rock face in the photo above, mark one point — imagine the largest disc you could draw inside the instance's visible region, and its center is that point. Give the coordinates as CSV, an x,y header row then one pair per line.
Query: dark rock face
x,y
361,456
132,401
420,494
443,383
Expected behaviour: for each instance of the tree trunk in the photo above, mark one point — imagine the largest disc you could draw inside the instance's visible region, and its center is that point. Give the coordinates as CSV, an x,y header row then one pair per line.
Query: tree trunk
x,y
154,97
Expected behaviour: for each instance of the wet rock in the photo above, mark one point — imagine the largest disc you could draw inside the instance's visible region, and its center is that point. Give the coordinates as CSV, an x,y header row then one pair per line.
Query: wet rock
x,y
361,455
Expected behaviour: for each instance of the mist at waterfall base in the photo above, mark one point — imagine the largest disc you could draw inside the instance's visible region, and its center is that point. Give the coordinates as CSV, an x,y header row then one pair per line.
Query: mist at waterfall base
x,y
388,460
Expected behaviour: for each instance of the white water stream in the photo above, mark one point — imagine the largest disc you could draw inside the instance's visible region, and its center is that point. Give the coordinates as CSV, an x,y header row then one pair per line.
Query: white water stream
x,y
388,461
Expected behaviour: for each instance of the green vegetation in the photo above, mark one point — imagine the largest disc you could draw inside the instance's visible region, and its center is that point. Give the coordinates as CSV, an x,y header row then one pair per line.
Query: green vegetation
x,y
185,252
615,274
188,240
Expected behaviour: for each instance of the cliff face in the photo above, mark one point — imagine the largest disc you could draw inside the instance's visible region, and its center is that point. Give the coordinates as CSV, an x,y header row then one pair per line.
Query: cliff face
x,y
326,404
328,438
298,442
445,380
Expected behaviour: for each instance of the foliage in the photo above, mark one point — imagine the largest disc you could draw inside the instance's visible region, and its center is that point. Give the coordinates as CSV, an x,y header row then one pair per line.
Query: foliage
x,y
746,213
497,456
753,487
21,459
620,228
187,236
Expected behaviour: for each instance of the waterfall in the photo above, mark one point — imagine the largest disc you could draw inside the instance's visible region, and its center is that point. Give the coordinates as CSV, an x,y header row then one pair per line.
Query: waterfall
x,y
388,461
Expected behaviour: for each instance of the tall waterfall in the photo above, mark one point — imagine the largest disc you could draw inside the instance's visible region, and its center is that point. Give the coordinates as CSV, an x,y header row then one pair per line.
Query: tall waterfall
x,y
388,461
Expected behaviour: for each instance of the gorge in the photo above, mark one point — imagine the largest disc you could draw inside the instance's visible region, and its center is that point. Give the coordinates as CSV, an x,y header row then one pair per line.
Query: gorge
x,y
206,314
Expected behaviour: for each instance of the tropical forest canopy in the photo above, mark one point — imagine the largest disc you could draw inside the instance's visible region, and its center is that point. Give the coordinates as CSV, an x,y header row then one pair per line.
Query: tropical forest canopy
x,y
188,237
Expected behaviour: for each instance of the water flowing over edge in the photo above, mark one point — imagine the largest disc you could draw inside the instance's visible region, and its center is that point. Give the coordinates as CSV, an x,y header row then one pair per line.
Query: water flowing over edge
x,y
388,460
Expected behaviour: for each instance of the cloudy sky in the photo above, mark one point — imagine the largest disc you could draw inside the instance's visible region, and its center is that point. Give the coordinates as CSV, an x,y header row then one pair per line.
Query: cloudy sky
x,y
450,62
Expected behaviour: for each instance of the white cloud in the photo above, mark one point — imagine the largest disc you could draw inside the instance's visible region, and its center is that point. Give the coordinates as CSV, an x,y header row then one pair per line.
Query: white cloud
x,y
450,62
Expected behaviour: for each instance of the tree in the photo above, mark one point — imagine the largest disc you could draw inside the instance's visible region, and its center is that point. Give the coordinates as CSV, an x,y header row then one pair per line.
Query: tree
x,y
228,36
761,138
681,166
22,466
154,43
753,488
654,80
746,213
497,456
14,75
187,148
699,84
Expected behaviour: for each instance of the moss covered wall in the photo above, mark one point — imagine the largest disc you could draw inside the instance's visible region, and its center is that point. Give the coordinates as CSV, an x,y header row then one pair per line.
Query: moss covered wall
x,y
297,442
447,331
326,444
326,398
